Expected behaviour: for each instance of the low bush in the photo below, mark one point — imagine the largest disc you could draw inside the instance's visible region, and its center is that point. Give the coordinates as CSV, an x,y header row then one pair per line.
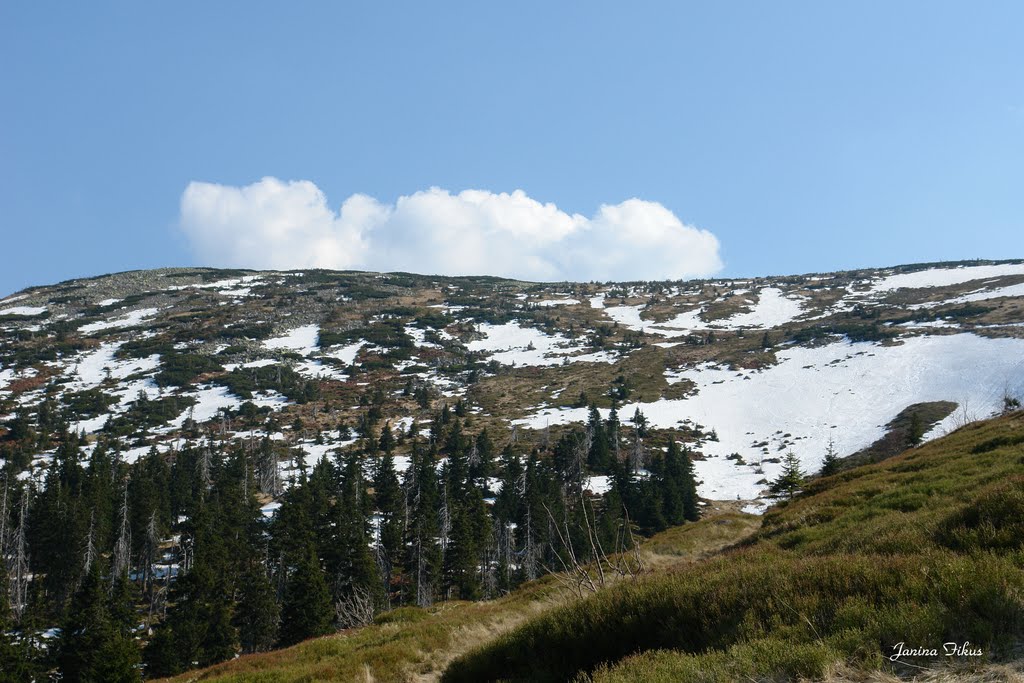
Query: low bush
x,y
993,521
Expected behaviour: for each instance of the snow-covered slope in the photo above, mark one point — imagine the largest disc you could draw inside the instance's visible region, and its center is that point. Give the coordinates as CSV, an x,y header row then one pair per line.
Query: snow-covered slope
x,y
741,370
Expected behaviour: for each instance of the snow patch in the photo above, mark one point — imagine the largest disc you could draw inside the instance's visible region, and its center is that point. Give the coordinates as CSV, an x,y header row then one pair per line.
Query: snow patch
x,y
944,277
346,354
23,310
302,340
772,309
131,320
512,344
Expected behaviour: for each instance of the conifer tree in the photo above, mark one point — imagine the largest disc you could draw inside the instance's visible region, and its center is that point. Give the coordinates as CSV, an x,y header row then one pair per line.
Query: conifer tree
x,y
149,498
915,431
509,500
462,501
198,629
678,486
387,439
688,487
830,464
791,479
92,645
481,460
307,611
600,453
388,501
423,502
257,615
353,562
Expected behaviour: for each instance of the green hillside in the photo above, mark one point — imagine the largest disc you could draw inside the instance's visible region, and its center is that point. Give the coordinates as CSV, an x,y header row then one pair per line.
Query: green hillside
x,y
923,549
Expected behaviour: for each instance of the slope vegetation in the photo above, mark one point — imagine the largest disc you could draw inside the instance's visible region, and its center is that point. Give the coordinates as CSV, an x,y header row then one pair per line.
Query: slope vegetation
x,y
412,644
921,550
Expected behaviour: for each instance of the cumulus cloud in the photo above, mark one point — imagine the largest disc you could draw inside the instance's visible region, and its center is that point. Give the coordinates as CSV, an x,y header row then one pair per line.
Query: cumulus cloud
x,y
275,224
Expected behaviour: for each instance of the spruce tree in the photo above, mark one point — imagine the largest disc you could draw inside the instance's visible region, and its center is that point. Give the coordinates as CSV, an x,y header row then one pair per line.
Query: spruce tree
x,y
460,572
651,498
688,487
92,645
388,501
915,431
481,462
198,629
791,479
830,464
352,561
307,610
257,615
600,454
424,558
678,486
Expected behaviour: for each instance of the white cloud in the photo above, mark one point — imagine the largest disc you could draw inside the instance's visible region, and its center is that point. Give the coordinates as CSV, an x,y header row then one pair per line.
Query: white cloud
x,y
285,225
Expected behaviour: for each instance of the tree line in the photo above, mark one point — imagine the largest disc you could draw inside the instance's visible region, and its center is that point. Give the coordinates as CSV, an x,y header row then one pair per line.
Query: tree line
x,y
170,562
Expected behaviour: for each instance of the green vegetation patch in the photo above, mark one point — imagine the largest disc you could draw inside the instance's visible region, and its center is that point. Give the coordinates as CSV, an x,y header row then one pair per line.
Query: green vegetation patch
x,y
88,403
148,413
180,369
244,382
923,549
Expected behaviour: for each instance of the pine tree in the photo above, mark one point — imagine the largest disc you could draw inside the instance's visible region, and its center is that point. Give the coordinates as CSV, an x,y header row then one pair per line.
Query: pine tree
x,y
92,647
198,629
388,501
307,611
830,464
424,558
915,432
257,615
600,454
791,479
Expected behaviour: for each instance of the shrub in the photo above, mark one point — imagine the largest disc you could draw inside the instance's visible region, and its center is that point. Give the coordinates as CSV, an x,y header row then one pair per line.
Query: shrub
x,y
180,369
993,521
845,600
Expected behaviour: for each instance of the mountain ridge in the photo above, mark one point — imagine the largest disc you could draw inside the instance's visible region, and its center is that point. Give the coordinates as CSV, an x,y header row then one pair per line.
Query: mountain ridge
x,y
547,329
321,446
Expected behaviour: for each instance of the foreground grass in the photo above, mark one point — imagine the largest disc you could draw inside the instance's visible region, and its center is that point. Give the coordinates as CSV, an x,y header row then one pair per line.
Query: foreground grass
x,y
923,549
411,644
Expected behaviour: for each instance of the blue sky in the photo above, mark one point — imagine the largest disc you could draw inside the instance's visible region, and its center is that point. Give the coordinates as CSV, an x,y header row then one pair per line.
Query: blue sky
x,y
803,136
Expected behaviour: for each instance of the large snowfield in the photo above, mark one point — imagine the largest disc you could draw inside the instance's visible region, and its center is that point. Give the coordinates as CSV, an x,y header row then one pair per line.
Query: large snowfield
x,y
844,391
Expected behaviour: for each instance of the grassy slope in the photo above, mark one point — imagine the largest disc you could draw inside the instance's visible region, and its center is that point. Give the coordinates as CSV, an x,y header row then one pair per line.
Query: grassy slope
x,y
410,644
924,548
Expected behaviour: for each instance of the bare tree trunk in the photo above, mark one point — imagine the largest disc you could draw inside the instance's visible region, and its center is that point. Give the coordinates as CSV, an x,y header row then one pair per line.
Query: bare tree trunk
x,y
90,546
19,597
123,547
